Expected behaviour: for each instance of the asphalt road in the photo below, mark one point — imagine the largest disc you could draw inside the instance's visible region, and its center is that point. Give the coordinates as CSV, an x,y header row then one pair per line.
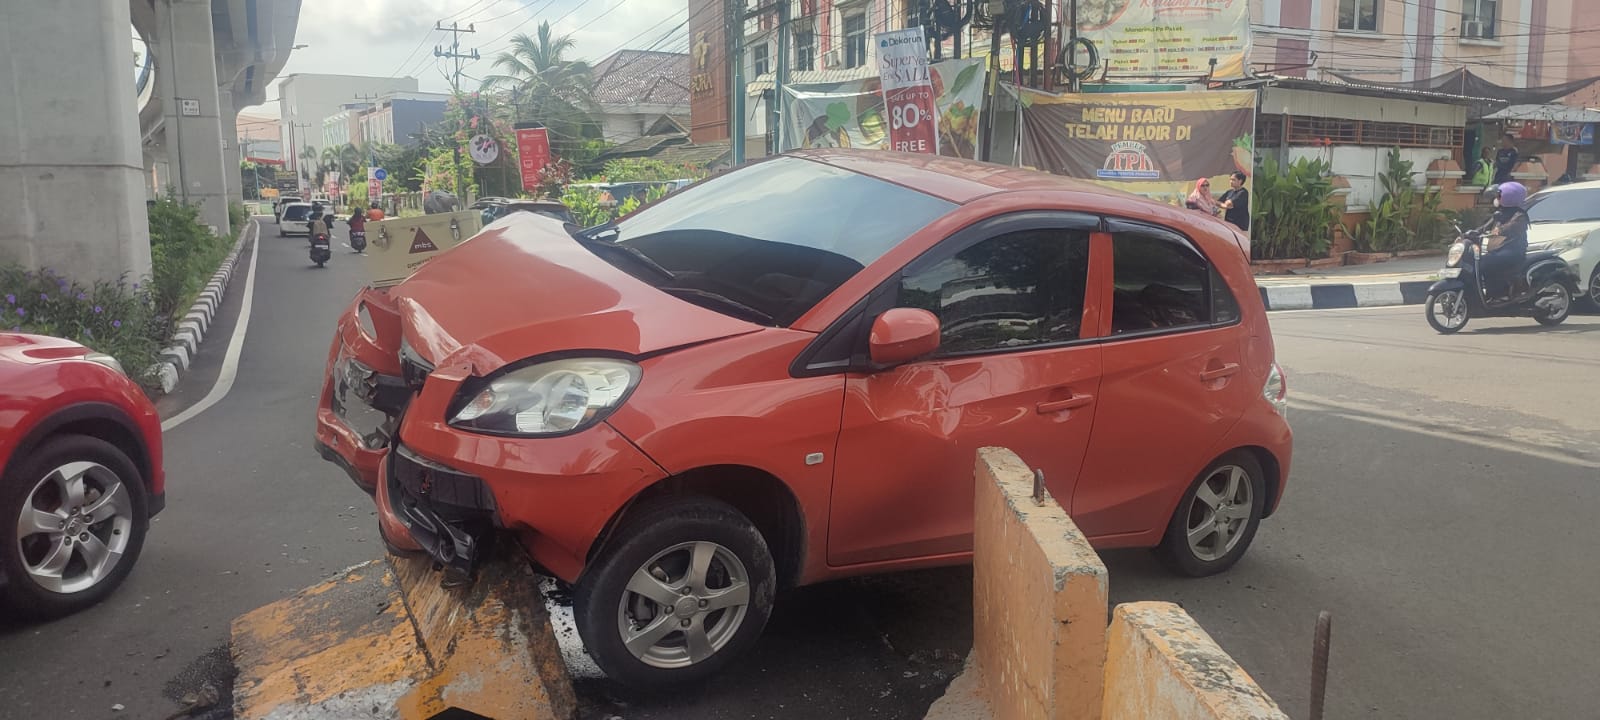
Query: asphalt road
x,y
1441,507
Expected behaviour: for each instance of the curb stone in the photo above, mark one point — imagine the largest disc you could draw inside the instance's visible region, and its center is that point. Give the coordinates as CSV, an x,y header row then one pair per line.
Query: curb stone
x,y
191,330
1344,295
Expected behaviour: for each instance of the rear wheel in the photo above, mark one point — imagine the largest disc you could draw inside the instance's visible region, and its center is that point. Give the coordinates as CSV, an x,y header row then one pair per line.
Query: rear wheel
x,y
1555,300
1593,296
1447,311
1216,520
685,590
73,517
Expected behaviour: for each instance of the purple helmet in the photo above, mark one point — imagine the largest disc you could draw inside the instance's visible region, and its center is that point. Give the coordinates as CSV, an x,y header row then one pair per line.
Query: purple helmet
x,y
1513,194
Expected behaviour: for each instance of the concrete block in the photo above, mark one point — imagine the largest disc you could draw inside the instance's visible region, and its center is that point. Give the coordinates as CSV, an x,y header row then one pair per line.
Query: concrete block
x,y
187,336
384,639
177,355
1161,664
965,698
166,375
1039,599
200,318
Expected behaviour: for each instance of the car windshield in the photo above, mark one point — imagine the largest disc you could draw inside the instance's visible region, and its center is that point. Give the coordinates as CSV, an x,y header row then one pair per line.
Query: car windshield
x,y
1565,206
297,212
767,242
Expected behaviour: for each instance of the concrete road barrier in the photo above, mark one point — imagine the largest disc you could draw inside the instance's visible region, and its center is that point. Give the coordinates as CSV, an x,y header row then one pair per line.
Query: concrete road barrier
x,y
384,640
1042,648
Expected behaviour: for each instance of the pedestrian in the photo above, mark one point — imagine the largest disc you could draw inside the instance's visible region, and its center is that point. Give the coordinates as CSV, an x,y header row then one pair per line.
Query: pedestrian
x,y
1235,202
1505,159
1201,198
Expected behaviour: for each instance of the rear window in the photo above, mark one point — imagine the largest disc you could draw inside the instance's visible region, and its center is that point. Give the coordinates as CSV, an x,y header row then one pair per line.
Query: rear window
x,y
1565,206
297,212
769,241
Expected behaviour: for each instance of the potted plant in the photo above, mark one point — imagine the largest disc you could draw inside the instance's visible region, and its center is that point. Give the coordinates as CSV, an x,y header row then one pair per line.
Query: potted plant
x,y
1293,214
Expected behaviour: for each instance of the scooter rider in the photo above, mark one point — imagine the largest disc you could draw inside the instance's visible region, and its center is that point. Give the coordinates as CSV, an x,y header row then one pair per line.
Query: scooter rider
x,y
1498,268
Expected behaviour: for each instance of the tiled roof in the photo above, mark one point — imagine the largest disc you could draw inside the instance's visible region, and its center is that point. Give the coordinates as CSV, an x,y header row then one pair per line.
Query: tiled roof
x,y
705,156
645,144
642,77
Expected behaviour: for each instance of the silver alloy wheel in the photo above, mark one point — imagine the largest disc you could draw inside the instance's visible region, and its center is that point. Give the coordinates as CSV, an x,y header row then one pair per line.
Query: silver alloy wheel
x,y
74,527
1555,300
1452,305
1222,506
1594,287
684,604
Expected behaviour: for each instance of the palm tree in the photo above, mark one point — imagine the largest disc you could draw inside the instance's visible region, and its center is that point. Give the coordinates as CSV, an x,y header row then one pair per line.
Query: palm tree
x,y
351,160
543,86
308,161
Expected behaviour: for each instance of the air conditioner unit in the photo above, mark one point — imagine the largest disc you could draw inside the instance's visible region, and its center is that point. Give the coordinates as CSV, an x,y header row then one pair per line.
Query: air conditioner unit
x,y
1472,29
833,59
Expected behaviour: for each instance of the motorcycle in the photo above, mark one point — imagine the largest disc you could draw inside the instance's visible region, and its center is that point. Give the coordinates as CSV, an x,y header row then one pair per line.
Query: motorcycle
x,y
321,250
358,240
1543,290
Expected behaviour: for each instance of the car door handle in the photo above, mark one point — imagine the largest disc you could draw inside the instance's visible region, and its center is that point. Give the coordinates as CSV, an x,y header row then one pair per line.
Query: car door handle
x,y
1076,401
1219,373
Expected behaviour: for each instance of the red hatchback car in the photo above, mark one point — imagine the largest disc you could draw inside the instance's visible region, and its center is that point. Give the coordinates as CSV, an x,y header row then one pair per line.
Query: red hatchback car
x,y
781,375
80,448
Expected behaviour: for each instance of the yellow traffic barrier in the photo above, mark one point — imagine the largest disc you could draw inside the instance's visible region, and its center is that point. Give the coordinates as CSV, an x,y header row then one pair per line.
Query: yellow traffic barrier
x,y
384,639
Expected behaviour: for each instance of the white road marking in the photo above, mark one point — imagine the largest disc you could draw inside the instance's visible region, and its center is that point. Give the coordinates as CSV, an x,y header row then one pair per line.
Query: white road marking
x,y
1413,423
1417,308
230,362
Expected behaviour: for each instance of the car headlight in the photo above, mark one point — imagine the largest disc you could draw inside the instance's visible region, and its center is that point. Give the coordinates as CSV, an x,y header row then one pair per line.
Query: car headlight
x,y
106,360
1456,251
1569,242
548,398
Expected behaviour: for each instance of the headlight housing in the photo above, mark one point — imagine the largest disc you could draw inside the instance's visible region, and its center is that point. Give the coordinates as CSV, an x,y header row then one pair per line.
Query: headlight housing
x,y
1568,242
1456,251
106,360
1276,390
557,397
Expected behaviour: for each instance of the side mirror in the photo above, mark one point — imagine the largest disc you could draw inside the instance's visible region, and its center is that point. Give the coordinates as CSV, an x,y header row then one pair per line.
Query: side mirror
x,y
901,335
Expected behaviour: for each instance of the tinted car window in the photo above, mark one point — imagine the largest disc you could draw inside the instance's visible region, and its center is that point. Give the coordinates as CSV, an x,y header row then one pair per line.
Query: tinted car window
x,y
297,212
1011,291
1224,307
1160,282
1565,206
767,242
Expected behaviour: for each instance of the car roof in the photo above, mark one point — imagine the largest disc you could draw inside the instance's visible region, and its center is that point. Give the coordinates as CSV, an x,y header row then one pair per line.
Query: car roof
x,y
299,203
956,180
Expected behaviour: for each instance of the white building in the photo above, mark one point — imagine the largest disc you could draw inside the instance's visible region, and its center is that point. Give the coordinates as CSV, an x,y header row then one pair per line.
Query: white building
x,y
636,88
306,100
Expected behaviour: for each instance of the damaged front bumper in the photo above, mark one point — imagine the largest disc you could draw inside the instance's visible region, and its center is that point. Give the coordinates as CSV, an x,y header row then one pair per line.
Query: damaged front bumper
x,y
449,513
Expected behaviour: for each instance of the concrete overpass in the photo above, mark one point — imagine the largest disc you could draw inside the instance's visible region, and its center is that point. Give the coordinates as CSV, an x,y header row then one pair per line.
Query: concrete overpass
x,y
88,141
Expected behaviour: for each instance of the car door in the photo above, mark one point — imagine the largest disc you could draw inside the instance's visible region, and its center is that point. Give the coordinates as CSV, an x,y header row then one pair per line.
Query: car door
x,y
1017,367
1172,385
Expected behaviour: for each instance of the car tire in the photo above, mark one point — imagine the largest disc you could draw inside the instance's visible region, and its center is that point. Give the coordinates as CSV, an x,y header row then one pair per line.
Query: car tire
x,y
38,482
1592,298
1236,481
1565,305
655,552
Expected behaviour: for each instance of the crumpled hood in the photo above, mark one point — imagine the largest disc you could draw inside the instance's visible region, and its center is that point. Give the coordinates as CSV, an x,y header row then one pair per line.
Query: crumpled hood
x,y
525,288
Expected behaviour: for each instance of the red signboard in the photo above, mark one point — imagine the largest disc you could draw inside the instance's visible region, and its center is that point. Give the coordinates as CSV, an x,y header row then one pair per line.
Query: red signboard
x,y
533,147
908,91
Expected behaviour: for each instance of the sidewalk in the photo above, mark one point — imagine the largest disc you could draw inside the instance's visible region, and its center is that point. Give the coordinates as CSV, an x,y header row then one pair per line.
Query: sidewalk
x,y
1400,281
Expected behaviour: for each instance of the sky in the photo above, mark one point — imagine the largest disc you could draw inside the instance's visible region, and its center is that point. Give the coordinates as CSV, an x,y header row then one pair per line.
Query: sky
x,y
396,37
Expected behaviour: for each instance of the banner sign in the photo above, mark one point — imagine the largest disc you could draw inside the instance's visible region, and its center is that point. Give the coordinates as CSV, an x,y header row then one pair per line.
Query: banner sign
x,y
533,147
852,113
1564,133
908,91
1153,39
1151,144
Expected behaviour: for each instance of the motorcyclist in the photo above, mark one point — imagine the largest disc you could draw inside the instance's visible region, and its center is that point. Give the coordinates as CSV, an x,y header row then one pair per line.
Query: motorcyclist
x,y
1510,221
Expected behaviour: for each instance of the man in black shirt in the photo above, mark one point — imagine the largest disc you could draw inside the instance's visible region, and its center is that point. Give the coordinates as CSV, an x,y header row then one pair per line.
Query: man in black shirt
x,y
1235,203
1505,160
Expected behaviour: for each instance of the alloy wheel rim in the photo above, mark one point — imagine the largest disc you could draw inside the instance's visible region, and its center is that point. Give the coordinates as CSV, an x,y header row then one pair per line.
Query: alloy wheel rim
x,y
1560,300
1594,286
684,605
1452,307
1222,506
74,527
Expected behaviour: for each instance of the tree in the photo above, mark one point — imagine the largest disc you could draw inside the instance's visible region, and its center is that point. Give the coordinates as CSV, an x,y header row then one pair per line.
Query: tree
x,y
308,164
543,86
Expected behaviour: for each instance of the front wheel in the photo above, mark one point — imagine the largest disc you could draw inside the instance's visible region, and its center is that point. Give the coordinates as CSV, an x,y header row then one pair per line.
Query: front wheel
x,y
73,517
1555,302
1217,518
1593,296
687,589
1447,311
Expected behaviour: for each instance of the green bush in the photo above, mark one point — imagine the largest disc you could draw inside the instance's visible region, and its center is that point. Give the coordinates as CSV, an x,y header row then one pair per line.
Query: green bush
x,y
183,255
1404,218
1293,212
238,215
113,318
130,321
584,202
645,169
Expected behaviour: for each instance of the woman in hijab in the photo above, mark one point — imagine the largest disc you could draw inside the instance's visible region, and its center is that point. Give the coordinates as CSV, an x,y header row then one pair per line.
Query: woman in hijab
x,y
1201,198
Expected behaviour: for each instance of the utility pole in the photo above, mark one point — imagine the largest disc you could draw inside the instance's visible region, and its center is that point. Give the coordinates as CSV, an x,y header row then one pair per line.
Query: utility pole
x,y
781,80
1072,39
997,17
455,84
295,147
736,18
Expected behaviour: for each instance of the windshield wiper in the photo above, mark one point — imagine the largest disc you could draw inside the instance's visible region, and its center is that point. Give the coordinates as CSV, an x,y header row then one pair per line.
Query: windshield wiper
x,y
750,313
590,239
